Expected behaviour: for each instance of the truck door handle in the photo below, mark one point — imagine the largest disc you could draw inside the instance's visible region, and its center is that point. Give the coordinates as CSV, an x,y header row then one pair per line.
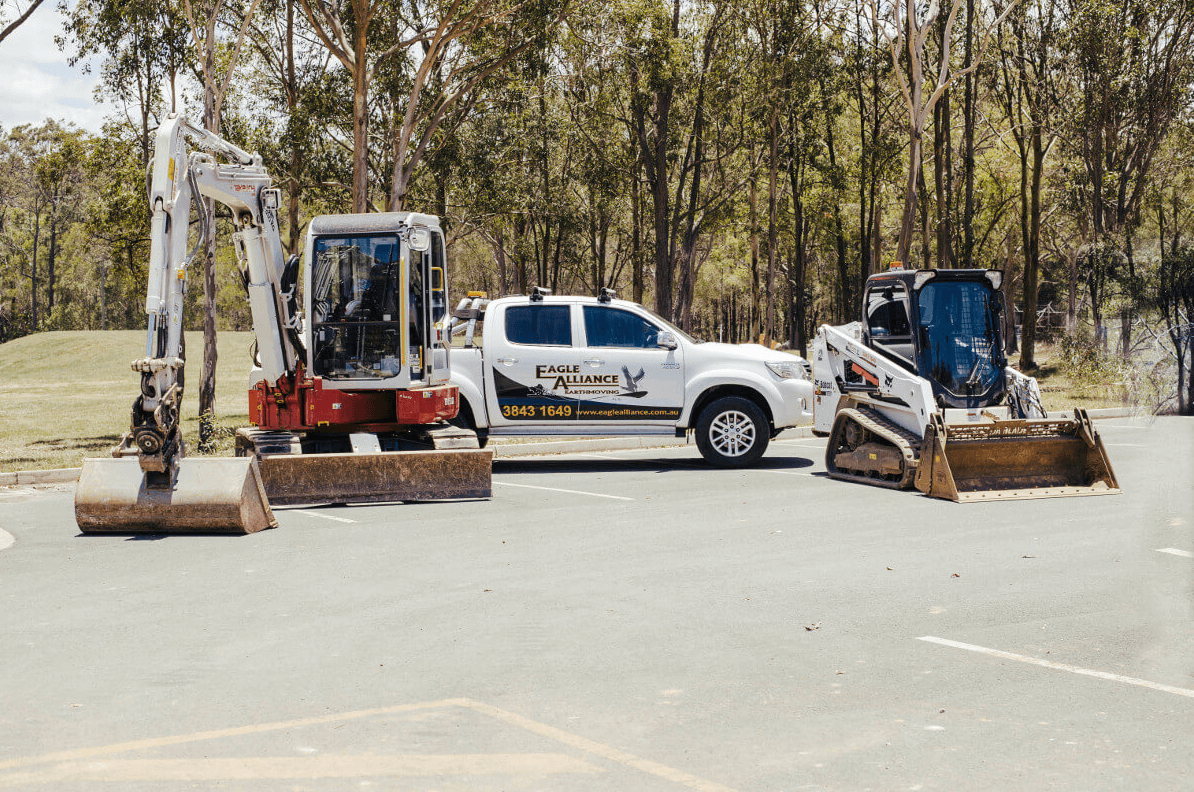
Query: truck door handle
x,y
594,362
507,361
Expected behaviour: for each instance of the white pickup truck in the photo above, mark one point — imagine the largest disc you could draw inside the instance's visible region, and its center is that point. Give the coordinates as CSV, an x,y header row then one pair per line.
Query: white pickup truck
x,y
544,365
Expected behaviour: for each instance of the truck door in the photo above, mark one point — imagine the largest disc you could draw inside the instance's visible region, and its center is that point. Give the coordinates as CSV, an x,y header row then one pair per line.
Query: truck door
x,y
625,375
529,347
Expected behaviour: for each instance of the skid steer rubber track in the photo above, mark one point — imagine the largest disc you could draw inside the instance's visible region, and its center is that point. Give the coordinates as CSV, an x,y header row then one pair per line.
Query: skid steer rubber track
x,y
868,448
1015,459
205,495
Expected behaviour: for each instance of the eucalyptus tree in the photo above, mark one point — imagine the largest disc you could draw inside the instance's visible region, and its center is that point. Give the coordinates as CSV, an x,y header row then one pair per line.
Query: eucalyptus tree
x,y
906,31
14,13
1027,90
1132,64
143,45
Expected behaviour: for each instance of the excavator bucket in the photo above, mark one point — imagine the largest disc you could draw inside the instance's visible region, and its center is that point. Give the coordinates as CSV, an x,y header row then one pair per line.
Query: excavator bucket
x,y
291,479
208,495
1014,459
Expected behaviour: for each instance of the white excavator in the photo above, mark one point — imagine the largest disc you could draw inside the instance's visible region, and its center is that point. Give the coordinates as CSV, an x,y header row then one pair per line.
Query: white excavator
x,y
349,393
919,394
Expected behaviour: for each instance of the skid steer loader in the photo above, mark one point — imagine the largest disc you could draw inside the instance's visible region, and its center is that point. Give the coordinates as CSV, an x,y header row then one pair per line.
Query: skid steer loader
x,y
350,393
919,394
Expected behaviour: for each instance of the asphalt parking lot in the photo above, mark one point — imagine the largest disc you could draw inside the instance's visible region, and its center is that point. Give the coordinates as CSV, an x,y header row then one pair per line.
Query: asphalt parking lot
x,y
621,620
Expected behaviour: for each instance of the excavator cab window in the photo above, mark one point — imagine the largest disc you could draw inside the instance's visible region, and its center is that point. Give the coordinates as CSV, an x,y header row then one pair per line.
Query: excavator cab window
x,y
356,302
888,327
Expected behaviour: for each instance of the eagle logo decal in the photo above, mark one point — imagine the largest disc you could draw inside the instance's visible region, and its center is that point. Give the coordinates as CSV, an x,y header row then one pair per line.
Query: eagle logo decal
x,y
631,387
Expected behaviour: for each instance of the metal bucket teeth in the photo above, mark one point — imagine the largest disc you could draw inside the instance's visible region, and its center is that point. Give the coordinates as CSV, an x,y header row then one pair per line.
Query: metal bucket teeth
x,y
291,479
1012,460
208,495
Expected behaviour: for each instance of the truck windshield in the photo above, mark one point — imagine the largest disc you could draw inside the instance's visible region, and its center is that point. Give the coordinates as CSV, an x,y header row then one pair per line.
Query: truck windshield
x,y
356,295
959,335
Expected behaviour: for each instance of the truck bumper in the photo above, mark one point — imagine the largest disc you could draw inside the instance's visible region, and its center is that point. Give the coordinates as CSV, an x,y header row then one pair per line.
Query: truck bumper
x,y
792,403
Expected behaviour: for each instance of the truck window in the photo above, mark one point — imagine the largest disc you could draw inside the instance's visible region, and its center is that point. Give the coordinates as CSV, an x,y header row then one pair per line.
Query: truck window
x,y
611,327
543,325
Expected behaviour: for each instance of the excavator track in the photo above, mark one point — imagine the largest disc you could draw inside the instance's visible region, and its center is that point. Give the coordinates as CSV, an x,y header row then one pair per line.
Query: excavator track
x,y
891,462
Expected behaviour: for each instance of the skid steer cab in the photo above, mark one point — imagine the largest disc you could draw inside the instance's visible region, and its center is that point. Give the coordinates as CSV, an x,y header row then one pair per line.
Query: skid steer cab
x,y
919,393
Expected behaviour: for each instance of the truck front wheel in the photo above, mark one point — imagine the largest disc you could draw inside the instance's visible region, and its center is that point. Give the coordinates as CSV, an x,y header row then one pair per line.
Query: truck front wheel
x,y
732,432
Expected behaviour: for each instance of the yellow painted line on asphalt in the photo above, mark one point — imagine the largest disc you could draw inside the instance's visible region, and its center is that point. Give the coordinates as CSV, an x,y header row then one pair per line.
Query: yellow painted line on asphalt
x,y
304,767
77,764
567,491
239,731
1126,680
604,751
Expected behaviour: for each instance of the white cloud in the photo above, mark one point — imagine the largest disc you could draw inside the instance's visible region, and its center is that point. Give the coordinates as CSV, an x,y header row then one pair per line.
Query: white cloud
x,y
37,83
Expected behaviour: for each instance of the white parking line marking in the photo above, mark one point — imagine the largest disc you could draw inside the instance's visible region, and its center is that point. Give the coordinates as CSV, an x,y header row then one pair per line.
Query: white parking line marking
x,y
325,516
568,491
1060,666
811,442
1123,445
1176,552
6,540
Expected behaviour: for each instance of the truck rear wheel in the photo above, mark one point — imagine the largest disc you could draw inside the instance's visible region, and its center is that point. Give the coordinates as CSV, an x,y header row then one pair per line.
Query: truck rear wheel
x,y
732,432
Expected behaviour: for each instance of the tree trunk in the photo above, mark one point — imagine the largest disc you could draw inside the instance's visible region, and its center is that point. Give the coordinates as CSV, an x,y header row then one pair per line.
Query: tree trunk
x,y
754,257
207,377
33,273
908,219
772,224
360,127
1032,255
636,244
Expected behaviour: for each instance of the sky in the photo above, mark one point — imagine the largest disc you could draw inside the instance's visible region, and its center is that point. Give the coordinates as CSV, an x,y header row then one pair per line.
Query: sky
x,y
36,82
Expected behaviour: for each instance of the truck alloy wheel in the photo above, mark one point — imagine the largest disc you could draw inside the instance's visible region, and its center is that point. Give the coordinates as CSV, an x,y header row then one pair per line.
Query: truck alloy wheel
x,y
732,432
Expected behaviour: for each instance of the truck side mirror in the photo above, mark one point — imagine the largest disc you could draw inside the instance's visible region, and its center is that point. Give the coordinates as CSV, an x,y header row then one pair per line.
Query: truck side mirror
x,y
667,340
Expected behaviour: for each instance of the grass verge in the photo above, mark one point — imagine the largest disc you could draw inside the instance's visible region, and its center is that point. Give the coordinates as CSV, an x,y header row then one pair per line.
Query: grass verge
x,y
67,395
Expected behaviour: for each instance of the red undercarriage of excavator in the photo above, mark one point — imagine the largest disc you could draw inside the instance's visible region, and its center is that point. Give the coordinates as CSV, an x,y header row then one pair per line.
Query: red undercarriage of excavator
x,y
309,407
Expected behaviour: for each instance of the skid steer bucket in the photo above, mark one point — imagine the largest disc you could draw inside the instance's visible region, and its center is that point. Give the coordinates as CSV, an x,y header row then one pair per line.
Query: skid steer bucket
x,y
208,495
291,479
1014,459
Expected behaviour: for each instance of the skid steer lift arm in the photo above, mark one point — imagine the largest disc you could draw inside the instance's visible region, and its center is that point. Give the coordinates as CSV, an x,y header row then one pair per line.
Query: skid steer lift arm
x,y
904,397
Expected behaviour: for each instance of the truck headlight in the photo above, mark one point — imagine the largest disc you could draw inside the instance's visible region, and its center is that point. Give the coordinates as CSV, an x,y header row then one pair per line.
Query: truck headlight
x,y
788,369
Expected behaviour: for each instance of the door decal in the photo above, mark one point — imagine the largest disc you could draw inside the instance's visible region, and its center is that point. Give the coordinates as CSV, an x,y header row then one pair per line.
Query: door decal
x,y
559,396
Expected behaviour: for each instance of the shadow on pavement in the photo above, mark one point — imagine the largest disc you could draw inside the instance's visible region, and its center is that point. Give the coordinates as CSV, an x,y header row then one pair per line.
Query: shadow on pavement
x,y
524,465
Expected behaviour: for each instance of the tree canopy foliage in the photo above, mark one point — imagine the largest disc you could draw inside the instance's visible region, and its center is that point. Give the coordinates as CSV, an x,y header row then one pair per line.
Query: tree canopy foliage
x,y
740,167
